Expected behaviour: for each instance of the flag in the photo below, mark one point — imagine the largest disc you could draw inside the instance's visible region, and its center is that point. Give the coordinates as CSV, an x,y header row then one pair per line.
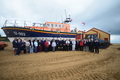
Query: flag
x,y
83,23
70,20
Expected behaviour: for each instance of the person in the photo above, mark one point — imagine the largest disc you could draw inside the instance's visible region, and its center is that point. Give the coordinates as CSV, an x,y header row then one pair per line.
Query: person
x,y
60,45
81,45
77,44
91,45
64,45
67,44
14,44
57,43
84,47
36,46
19,45
87,45
42,44
39,46
27,46
70,45
73,45
46,45
53,45
31,46
23,47
49,47
97,45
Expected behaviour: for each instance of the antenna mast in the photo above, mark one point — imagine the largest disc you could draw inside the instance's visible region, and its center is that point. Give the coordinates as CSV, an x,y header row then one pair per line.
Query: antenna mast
x,y
65,14
67,19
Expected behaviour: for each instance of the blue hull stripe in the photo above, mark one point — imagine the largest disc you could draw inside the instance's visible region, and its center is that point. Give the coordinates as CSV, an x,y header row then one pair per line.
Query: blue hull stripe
x,y
26,32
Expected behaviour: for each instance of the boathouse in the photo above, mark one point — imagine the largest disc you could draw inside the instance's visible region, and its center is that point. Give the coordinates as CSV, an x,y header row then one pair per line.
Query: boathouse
x,y
94,33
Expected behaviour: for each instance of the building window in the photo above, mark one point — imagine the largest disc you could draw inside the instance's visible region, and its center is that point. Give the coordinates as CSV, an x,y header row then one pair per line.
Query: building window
x,y
92,36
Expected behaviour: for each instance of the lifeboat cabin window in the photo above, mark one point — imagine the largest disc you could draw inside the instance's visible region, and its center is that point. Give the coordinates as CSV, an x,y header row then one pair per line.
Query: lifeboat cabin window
x,y
44,25
55,25
62,25
48,24
52,25
59,25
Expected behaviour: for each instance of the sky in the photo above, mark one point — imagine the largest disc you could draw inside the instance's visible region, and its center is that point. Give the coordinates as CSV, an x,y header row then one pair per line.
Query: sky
x,y
101,14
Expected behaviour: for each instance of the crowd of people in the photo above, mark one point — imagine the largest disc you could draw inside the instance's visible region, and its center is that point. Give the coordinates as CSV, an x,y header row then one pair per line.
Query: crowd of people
x,y
46,45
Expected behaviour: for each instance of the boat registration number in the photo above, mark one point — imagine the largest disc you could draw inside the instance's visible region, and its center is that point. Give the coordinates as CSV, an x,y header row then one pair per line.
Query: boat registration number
x,y
19,33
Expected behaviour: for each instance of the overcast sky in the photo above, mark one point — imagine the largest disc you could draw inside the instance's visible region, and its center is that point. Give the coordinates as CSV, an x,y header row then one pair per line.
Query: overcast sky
x,y
101,14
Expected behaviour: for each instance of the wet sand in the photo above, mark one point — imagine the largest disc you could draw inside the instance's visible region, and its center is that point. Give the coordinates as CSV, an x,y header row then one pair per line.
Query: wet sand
x,y
61,65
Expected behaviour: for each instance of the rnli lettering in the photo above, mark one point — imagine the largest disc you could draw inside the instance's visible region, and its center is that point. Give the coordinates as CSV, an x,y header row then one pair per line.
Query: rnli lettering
x,y
19,33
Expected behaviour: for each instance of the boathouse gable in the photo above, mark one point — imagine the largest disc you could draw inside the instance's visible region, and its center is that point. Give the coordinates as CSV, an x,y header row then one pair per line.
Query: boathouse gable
x,y
100,34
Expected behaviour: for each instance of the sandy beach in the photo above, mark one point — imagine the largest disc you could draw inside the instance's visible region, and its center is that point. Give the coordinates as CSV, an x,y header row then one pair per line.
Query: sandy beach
x,y
61,65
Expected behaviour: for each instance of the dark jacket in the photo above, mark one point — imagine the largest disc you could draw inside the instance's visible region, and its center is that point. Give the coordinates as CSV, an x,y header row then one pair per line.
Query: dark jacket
x,y
96,44
14,44
19,45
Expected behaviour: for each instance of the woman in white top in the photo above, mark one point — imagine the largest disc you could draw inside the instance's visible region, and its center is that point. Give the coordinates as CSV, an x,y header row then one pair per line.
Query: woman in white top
x,y
53,45
31,46
73,45
36,46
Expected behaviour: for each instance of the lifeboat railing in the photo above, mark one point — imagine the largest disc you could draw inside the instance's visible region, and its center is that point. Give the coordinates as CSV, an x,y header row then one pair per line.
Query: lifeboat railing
x,y
18,23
